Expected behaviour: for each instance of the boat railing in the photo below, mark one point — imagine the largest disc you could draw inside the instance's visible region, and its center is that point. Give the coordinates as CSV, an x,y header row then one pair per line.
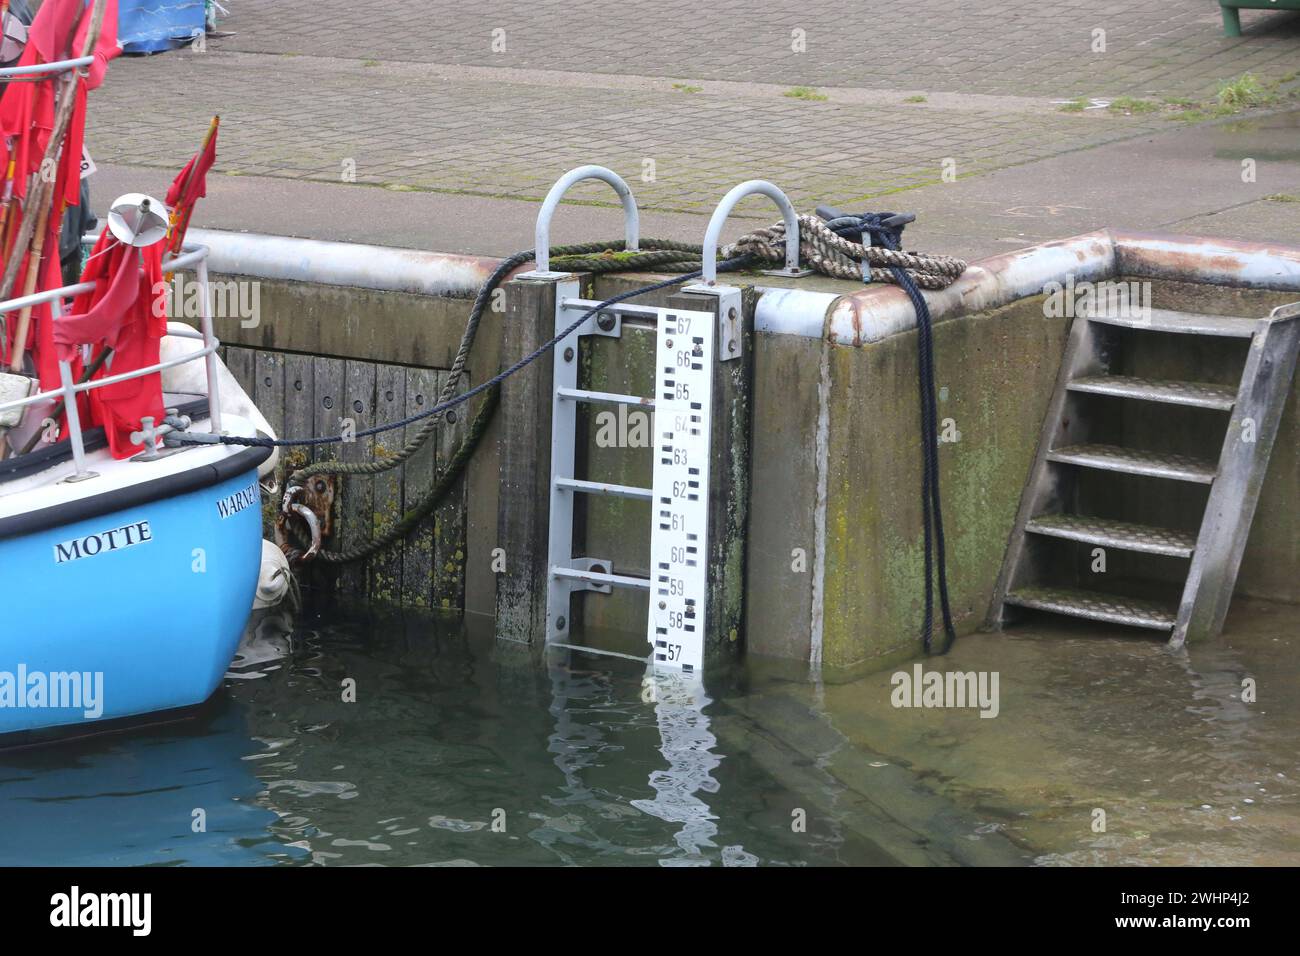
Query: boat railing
x,y
57,66
192,257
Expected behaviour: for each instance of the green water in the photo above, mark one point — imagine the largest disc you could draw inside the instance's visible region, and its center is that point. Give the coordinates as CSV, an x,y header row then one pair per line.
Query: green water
x,y
451,754
461,751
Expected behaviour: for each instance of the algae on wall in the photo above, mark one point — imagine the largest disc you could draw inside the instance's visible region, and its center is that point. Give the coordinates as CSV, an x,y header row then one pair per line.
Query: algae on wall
x,y
995,374
997,368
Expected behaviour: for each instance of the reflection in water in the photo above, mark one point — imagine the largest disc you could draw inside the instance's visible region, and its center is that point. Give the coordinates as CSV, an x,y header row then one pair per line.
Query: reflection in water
x,y
178,795
582,704
825,755
577,746
448,755
687,745
267,640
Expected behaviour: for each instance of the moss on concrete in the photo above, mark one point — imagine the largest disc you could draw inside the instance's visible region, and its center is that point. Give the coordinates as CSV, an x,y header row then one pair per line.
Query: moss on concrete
x,y
997,368
997,373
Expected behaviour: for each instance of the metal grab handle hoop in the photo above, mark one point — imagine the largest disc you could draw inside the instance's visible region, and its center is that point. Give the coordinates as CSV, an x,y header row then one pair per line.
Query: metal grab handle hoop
x,y
763,188
631,216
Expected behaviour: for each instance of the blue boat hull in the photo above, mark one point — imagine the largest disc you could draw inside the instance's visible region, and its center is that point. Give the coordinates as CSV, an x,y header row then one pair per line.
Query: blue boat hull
x,y
129,612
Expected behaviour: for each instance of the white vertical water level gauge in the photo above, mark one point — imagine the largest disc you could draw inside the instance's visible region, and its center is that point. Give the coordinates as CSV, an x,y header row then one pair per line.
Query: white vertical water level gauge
x,y
679,535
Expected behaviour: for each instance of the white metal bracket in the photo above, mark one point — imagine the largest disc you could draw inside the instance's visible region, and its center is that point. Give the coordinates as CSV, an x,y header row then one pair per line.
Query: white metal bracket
x,y
731,340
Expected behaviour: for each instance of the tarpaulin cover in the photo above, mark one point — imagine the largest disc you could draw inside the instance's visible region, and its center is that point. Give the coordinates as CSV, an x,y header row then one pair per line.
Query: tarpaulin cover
x,y
147,26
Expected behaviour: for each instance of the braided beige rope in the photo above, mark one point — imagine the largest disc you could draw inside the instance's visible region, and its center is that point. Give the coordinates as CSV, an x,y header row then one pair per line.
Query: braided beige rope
x,y
833,255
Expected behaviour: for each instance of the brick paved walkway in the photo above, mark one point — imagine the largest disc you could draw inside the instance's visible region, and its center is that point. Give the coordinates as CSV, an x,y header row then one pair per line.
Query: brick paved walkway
x,y
993,46
409,94
309,118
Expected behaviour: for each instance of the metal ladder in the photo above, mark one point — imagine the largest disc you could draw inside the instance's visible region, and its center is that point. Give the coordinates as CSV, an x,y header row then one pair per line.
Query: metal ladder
x,y
682,406
1069,453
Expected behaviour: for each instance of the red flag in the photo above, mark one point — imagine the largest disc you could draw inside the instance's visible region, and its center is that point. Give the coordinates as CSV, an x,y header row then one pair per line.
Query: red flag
x,y
51,29
106,47
102,321
39,342
191,183
189,186
26,121
53,23
27,116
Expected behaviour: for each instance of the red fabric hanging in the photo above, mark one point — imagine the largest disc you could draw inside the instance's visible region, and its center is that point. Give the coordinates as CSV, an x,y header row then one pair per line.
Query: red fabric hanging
x,y
49,34
27,111
128,313
40,338
27,108
101,321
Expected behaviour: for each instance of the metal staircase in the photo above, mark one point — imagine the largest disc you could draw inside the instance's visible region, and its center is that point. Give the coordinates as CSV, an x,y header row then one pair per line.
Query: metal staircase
x,y
1084,469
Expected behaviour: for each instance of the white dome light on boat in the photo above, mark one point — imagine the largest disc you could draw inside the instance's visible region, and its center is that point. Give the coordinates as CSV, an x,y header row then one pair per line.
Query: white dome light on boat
x,y
137,219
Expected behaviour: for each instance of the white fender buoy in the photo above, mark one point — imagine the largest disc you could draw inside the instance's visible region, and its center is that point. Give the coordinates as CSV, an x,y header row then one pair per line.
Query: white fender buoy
x,y
275,579
268,635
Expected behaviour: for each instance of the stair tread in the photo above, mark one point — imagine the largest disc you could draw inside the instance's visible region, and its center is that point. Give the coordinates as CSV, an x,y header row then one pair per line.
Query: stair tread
x,y
1136,461
1095,606
1191,323
1199,394
1108,532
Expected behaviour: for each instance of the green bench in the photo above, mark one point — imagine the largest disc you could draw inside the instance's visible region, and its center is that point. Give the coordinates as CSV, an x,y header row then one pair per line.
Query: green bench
x,y
1232,20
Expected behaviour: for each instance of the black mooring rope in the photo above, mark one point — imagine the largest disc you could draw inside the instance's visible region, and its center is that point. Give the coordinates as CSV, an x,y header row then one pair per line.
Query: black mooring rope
x,y
184,438
886,229
876,229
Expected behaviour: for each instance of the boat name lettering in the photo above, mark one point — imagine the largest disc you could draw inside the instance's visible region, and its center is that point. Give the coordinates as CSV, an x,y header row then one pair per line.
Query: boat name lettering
x,y
93,545
239,501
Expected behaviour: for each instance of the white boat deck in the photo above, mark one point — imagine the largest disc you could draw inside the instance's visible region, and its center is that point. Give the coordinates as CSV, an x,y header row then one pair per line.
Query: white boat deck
x,y
52,488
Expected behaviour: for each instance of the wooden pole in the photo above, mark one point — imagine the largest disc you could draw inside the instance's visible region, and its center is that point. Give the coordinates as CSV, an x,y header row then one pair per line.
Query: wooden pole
x,y
7,204
34,263
9,173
